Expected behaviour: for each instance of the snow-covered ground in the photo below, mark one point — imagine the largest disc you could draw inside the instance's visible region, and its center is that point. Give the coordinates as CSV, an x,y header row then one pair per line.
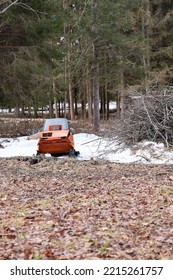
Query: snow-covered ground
x,y
91,146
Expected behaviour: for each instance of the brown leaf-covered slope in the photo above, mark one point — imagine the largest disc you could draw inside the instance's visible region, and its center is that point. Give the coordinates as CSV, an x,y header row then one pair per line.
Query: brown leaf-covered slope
x,y
68,209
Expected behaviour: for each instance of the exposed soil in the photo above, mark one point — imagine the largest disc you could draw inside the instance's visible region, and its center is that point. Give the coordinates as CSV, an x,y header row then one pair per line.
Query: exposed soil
x,y
68,209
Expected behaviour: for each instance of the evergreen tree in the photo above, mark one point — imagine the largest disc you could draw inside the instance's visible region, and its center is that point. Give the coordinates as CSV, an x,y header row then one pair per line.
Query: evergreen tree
x,y
87,52
27,49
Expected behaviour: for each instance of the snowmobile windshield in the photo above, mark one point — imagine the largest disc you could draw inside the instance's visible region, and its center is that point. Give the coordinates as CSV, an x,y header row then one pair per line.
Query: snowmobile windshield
x,y
56,121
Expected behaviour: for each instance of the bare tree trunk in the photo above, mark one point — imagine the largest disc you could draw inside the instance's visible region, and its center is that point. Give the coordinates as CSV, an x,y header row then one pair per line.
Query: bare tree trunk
x,y
83,109
146,32
107,100
122,93
96,98
89,93
70,93
65,92
70,80
55,101
35,110
56,107
67,31
42,111
89,100
50,109
106,94
17,110
96,94
23,110
75,92
102,106
59,108
118,104
29,110
71,98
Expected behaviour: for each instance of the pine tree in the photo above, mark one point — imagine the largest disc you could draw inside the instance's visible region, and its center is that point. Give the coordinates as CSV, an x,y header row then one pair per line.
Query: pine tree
x,y
27,50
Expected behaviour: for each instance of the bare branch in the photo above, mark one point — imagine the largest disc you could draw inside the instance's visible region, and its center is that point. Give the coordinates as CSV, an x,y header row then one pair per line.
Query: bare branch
x,y
27,7
150,118
9,5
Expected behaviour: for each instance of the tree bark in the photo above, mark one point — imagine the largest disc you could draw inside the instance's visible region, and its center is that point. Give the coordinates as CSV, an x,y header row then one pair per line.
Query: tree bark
x,y
55,101
17,110
107,100
122,93
65,91
70,92
96,94
89,92
50,109
96,98
67,75
56,107
146,31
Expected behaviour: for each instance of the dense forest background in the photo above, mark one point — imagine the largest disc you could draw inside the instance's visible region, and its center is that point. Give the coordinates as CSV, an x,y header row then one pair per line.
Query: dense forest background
x,y
66,53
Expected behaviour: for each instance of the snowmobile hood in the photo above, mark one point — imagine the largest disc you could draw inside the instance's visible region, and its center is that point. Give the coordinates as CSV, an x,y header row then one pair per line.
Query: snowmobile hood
x,y
55,133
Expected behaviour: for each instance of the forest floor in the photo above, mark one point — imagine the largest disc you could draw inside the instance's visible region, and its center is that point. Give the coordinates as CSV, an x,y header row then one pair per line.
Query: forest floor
x,y
69,209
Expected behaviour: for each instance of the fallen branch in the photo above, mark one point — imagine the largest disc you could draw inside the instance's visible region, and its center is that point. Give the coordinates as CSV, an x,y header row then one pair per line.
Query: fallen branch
x,y
9,6
91,141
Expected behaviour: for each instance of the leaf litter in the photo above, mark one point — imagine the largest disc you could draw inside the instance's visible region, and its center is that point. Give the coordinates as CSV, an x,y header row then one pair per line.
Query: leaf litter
x,y
68,209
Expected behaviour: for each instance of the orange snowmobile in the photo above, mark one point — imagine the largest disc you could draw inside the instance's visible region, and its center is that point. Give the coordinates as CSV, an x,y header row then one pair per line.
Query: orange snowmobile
x,y
56,138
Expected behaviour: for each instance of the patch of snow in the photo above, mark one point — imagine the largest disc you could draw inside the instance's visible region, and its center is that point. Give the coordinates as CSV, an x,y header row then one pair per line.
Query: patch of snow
x,y
112,105
93,146
18,147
